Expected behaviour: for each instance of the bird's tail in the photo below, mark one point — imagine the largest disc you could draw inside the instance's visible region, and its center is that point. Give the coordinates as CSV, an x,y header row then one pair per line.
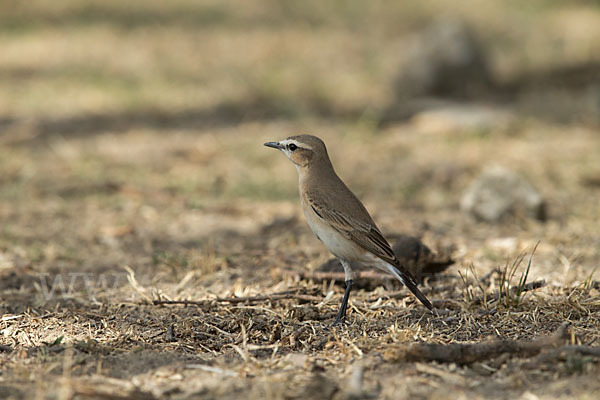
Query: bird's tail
x,y
409,282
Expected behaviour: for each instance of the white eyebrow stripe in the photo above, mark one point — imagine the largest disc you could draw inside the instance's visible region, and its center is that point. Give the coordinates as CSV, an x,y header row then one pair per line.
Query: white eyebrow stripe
x,y
299,144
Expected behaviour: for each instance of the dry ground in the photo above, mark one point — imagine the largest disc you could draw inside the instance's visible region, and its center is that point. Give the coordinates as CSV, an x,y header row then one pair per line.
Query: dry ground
x,y
132,169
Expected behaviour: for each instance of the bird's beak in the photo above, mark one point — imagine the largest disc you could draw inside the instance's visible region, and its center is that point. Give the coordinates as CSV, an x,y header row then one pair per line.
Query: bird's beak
x,y
274,145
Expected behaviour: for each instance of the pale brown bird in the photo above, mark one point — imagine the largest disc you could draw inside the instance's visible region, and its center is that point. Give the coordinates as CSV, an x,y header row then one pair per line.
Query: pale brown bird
x,y
338,218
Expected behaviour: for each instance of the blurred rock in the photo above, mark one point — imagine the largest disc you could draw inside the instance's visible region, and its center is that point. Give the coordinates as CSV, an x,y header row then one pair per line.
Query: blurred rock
x,y
591,180
498,193
445,59
507,245
418,258
318,387
410,251
463,117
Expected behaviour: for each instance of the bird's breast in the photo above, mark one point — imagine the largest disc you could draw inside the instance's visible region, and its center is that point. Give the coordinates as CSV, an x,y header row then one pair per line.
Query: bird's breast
x,y
338,244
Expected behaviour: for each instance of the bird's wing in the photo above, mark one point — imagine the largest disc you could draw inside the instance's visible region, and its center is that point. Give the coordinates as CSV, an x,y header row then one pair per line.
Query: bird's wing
x,y
362,231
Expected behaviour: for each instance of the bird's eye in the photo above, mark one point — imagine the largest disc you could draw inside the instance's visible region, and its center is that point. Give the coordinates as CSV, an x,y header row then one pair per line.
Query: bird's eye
x,y
292,147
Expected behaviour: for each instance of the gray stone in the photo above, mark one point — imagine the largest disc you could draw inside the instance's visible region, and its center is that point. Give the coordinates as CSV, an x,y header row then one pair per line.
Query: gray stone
x,y
445,59
498,193
463,117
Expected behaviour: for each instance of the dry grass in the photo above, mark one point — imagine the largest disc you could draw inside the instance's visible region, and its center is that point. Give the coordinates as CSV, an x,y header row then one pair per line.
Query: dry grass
x,y
132,136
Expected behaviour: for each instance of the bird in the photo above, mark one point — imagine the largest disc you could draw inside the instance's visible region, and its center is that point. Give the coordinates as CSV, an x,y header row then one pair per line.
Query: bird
x,y
339,219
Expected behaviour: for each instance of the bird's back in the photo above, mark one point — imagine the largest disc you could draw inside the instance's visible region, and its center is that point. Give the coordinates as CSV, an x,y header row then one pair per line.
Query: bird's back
x,y
333,194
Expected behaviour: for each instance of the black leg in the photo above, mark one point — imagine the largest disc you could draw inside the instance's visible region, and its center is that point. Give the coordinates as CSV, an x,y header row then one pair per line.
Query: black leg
x,y
341,316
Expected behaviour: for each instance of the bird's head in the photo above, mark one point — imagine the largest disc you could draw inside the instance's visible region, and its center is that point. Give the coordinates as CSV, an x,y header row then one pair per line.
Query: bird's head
x,y
302,150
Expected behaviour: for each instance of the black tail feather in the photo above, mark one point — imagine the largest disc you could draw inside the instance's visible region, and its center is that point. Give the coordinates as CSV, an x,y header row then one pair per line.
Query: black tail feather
x,y
415,290
409,282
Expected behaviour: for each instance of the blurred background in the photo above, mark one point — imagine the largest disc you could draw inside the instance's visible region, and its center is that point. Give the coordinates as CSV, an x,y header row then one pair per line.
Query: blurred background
x,y
131,132
146,64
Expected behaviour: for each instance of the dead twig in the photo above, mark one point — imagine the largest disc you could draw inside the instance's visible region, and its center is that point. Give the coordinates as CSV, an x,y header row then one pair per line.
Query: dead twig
x,y
109,388
251,299
318,276
552,356
468,353
142,291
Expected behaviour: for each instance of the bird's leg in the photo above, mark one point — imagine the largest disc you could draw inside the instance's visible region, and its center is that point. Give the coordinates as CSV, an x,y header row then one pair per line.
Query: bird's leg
x,y
341,315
